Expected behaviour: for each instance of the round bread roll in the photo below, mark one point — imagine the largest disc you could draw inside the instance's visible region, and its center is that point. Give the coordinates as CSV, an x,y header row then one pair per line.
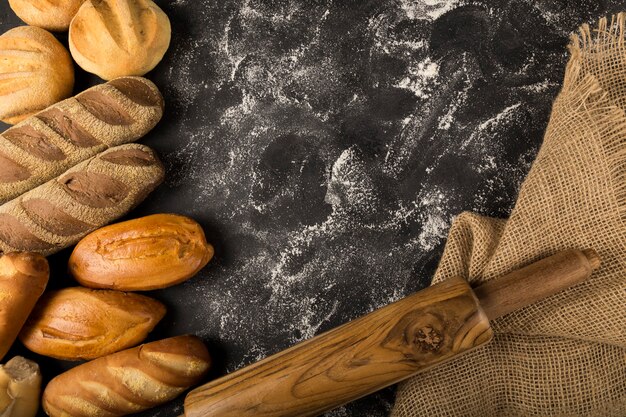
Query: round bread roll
x,y
36,71
50,15
116,38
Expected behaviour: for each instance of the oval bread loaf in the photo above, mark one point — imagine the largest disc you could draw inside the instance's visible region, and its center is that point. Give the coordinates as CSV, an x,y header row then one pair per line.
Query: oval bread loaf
x,y
135,32
23,278
47,144
78,323
36,71
54,15
95,192
152,252
130,381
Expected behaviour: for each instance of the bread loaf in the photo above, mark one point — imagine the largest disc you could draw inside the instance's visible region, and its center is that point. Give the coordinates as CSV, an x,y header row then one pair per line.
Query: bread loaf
x,y
129,381
78,323
52,15
47,144
20,386
36,71
23,278
152,252
135,32
95,192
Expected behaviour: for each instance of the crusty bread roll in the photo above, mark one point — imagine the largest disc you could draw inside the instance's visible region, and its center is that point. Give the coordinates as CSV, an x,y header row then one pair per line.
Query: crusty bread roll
x,y
36,71
78,323
54,15
113,38
152,252
129,381
47,144
20,387
23,278
95,192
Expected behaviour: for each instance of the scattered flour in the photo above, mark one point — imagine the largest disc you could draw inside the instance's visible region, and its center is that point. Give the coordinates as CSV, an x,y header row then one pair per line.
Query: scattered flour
x,y
422,78
427,9
497,119
378,216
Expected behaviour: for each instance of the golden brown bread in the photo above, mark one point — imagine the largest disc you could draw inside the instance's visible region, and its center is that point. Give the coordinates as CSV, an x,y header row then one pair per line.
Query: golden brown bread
x,y
23,278
135,32
54,15
78,323
152,252
95,192
129,381
47,144
36,71
20,387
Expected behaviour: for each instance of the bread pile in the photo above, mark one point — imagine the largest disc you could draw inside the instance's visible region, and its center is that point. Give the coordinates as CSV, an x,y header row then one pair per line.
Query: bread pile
x,y
67,169
109,38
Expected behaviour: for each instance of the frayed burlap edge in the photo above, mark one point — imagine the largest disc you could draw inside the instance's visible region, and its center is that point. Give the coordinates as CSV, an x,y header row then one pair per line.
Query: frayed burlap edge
x,y
565,356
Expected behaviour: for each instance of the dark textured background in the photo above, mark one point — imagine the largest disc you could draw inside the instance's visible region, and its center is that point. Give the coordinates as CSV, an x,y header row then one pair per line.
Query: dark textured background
x,y
326,146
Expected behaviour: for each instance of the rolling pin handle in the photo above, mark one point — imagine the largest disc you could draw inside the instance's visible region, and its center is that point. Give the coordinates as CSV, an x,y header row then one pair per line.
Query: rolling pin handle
x,y
385,346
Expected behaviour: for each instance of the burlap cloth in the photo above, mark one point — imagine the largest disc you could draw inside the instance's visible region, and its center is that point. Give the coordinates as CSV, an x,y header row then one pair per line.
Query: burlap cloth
x,y
565,356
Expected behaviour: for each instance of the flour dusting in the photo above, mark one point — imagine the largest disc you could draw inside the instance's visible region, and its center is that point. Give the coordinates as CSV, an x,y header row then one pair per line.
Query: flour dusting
x,y
327,147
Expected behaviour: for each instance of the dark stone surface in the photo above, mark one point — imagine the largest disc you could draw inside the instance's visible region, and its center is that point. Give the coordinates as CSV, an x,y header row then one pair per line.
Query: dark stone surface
x,y
326,147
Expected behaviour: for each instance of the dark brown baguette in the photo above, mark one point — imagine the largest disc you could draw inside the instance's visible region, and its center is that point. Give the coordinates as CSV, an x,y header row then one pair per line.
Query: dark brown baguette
x,y
129,381
95,192
50,142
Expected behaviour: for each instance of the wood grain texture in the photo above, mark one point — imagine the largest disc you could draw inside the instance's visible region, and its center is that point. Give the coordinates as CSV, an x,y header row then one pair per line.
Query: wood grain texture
x,y
534,282
353,360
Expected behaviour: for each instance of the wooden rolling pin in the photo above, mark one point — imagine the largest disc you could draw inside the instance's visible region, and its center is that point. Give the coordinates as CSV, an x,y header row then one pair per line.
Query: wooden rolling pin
x,y
386,346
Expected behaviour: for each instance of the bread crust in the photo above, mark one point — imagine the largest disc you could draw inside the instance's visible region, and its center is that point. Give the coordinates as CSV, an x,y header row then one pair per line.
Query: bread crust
x,y
23,278
37,71
67,133
137,33
148,253
94,193
79,323
50,15
20,387
130,381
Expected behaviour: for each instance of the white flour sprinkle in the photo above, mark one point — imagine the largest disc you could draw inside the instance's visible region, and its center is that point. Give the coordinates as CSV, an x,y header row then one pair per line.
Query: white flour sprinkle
x,y
421,79
427,9
503,115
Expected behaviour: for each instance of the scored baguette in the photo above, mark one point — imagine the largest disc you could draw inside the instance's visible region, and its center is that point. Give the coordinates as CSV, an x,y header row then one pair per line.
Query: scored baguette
x,y
95,192
57,138
79,323
130,381
23,278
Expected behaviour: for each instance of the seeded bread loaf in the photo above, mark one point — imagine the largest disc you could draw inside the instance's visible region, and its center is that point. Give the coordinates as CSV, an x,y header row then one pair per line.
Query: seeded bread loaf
x,y
50,142
129,381
95,192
